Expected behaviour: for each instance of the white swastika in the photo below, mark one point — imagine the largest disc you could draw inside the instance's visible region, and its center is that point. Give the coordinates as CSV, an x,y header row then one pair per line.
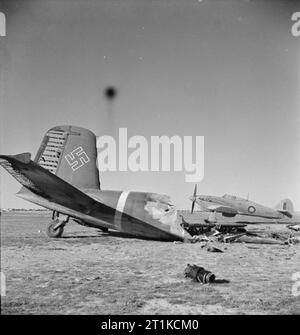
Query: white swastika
x,y
77,158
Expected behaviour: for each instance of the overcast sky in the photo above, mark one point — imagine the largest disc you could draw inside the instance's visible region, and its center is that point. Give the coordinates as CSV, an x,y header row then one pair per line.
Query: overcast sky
x,y
227,70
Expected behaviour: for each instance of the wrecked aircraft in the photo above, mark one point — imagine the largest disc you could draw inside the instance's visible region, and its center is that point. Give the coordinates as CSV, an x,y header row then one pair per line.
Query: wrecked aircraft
x,y
64,178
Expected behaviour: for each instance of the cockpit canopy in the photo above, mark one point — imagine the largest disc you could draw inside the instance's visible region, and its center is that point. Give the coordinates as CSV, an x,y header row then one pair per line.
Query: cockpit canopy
x,y
231,197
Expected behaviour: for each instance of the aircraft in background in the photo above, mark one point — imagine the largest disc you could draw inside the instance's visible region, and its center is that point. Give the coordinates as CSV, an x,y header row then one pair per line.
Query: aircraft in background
x,y
231,205
65,179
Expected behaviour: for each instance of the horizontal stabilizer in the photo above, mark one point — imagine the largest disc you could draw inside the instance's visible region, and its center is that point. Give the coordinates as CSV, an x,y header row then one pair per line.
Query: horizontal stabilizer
x,y
25,157
287,213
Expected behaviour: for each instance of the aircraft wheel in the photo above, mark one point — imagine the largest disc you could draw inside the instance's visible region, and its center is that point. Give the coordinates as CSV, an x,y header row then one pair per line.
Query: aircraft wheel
x,y
51,232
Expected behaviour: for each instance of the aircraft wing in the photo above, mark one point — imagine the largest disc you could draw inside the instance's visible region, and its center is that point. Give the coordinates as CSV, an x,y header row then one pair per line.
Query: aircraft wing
x,y
47,185
222,209
52,192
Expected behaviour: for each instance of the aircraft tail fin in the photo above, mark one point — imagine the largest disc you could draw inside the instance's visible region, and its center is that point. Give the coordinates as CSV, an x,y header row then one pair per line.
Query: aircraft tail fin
x,y
285,207
70,153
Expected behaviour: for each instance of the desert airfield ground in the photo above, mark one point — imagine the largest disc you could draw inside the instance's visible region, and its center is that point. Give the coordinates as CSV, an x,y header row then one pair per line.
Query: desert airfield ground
x,y
89,272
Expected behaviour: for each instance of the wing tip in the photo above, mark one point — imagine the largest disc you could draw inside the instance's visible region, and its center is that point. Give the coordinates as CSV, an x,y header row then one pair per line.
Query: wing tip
x,y
24,157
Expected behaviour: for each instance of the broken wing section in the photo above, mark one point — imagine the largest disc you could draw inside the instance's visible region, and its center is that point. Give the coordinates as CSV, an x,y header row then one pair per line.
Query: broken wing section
x,y
46,185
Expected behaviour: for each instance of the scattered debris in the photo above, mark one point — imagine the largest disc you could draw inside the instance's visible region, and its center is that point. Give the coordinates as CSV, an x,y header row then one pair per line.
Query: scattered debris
x,y
196,229
230,238
93,278
199,238
258,240
292,240
230,234
295,227
199,274
213,249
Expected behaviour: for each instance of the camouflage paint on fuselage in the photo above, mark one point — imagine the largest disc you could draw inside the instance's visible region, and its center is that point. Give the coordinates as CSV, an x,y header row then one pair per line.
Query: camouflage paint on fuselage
x,y
239,206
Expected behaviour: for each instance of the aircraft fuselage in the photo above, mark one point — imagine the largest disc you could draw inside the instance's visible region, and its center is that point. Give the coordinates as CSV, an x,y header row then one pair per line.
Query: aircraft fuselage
x,y
241,206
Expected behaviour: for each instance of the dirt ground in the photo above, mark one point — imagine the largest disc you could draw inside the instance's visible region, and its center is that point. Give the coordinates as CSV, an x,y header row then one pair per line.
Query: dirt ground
x,y
90,272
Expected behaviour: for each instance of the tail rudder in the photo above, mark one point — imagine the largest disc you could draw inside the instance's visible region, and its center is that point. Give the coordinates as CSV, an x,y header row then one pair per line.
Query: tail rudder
x,y
285,207
70,153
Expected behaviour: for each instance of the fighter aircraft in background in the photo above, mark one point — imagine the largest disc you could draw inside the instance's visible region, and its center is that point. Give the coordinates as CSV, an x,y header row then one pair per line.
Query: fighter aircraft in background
x,y
65,179
231,205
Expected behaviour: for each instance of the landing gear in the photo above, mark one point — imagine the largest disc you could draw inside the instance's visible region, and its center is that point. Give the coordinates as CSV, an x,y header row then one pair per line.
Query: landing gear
x,y
53,231
56,228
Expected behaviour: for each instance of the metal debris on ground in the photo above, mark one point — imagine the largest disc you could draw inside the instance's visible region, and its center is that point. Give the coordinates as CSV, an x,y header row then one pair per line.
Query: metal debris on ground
x,y
295,227
213,249
293,240
227,234
199,274
258,240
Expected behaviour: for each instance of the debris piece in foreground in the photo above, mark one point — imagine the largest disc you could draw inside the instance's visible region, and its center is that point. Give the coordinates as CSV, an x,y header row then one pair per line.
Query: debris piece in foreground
x,y
213,249
258,240
293,240
199,274
230,238
295,227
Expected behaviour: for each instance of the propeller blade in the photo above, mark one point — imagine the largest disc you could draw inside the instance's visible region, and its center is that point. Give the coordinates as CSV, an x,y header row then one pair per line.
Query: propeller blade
x,y
193,205
194,198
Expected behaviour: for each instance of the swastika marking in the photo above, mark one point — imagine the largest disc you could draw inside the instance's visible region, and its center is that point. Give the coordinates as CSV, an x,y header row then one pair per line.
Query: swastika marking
x,y
77,158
